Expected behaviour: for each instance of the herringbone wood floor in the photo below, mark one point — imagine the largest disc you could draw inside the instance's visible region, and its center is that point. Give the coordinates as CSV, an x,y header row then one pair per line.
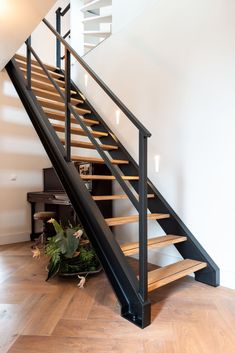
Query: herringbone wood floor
x,y
58,317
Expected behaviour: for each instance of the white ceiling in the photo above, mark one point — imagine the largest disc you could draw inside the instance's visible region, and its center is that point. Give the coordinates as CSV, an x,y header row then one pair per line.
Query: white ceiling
x,y
18,18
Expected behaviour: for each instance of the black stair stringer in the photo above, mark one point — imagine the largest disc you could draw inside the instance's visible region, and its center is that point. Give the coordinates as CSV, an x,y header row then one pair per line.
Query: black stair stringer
x,y
191,248
115,264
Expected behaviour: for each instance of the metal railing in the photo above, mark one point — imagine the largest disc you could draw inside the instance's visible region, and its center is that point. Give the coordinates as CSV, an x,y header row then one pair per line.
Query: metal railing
x,y
59,14
140,203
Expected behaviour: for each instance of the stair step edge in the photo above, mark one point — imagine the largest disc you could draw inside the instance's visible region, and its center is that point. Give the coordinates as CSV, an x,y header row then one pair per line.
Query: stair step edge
x,y
107,177
131,219
115,197
79,131
22,58
97,160
156,242
165,275
59,116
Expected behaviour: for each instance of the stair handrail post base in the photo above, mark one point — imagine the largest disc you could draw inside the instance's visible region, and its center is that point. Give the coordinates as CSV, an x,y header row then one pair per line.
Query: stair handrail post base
x,y
139,315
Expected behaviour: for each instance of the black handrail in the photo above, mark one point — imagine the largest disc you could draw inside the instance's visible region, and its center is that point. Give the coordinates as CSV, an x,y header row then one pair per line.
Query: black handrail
x,y
101,83
67,8
140,203
67,34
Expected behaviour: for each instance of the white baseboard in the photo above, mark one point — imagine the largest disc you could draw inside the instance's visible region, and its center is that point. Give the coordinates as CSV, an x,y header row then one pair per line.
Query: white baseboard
x,y
227,278
14,238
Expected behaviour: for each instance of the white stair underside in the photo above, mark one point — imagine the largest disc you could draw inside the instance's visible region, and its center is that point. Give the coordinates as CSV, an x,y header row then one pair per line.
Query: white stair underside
x,y
98,19
96,4
90,45
103,34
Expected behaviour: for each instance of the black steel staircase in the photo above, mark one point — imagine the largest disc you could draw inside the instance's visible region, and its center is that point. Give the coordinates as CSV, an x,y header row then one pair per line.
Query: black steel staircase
x,y
55,104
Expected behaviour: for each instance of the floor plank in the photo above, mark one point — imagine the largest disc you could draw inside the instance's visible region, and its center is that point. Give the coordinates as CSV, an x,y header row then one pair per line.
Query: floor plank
x,y
58,317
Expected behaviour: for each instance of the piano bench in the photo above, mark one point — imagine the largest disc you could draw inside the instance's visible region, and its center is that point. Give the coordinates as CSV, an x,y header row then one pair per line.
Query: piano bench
x,y
44,215
48,229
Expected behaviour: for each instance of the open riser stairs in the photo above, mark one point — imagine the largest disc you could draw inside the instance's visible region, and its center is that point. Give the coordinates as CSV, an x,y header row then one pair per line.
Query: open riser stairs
x,y
95,17
46,110
97,22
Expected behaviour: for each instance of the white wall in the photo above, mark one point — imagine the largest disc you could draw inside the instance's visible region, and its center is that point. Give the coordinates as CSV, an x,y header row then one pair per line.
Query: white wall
x,y
125,12
17,21
174,68
22,158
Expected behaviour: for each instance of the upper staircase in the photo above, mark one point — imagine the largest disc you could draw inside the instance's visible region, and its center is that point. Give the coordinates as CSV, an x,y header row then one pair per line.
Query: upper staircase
x,y
97,22
68,125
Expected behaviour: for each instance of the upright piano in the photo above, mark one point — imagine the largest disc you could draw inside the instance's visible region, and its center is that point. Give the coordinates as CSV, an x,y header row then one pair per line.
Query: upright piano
x,y
54,198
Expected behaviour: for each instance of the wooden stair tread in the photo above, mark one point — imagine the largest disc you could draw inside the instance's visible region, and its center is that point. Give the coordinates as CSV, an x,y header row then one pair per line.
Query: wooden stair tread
x,y
115,221
42,77
34,62
38,69
52,95
48,86
157,242
78,131
115,197
97,160
162,276
107,177
47,103
89,145
57,115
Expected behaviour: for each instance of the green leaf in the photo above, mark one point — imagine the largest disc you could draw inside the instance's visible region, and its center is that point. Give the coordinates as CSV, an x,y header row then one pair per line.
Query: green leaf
x,y
58,228
52,249
53,269
86,255
72,243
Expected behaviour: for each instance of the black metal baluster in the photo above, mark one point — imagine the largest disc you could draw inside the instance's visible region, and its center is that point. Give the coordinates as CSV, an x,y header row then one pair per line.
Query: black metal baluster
x,y
29,62
67,101
58,43
143,250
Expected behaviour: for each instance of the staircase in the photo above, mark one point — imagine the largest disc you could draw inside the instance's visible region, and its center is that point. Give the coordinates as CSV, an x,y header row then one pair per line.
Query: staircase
x,y
61,116
97,22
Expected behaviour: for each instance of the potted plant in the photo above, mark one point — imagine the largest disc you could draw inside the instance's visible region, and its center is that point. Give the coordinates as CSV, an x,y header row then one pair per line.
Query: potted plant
x,y
69,251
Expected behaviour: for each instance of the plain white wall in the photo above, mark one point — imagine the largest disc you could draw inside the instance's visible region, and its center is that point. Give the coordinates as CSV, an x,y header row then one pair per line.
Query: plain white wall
x,y
22,158
125,11
173,66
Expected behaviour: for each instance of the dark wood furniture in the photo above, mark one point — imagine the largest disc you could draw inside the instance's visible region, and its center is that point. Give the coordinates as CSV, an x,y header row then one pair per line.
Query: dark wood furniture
x,y
54,198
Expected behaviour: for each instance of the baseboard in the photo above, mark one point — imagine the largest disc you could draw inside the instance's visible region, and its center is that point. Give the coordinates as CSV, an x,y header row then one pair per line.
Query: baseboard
x,y
227,278
14,238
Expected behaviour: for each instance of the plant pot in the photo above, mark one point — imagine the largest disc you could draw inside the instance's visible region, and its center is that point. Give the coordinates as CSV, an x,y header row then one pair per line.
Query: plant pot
x,y
74,267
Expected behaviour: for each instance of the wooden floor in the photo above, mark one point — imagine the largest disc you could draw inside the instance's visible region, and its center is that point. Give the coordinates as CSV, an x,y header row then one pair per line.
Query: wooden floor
x,y
58,317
